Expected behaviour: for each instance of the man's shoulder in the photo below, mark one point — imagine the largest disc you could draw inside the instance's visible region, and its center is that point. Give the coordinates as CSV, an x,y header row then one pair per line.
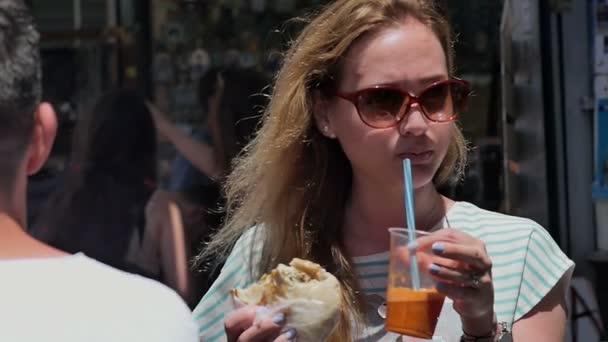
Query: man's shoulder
x,y
126,286
118,306
151,305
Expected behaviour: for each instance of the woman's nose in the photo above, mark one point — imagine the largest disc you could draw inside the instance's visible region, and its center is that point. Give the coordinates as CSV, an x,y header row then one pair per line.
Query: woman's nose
x,y
414,122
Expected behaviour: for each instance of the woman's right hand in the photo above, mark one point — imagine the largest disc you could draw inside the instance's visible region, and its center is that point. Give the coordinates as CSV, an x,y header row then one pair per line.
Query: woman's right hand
x,y
242,326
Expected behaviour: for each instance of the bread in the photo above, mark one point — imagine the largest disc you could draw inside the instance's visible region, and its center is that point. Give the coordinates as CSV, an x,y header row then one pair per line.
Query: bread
x,y
308,294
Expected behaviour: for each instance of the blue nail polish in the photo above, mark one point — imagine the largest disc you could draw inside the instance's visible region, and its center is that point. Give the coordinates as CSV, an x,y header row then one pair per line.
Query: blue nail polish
x,y
434,269
279,318
412,245
438,248
291,334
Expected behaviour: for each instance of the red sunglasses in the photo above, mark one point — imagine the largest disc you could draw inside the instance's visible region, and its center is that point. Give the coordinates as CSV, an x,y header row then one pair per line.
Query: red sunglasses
x,y
386,106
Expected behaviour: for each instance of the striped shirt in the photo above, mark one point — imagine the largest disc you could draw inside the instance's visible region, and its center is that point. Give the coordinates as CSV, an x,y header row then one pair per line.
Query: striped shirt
x,y
526,265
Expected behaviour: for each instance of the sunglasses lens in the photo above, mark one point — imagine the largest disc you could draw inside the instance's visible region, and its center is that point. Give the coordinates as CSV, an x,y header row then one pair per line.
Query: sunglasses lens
x,y
379,107
444,101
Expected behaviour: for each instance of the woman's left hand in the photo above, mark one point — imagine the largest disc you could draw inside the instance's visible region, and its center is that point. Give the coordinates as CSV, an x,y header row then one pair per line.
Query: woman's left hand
x,y
463,271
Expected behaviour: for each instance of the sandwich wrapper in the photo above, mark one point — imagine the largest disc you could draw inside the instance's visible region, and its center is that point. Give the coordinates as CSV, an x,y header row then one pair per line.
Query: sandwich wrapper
x,y
309,296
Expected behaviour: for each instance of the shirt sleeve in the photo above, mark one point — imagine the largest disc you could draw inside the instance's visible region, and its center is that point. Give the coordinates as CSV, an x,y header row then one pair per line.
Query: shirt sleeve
x,y
544,265
217,302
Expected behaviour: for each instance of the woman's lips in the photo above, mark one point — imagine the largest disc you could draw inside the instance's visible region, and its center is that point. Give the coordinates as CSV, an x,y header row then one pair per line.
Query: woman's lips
x,y
417,158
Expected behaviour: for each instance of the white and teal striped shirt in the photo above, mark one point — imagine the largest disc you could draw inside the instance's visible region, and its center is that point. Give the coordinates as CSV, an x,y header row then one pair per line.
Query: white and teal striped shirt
x,y
527,263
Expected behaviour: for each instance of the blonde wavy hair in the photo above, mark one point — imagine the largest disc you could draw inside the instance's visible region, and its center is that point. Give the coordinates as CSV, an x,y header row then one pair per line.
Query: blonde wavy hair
x,y
296,182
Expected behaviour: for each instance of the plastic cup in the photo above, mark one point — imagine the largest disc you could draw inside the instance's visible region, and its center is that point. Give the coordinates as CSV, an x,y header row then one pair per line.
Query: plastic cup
x,y
411,312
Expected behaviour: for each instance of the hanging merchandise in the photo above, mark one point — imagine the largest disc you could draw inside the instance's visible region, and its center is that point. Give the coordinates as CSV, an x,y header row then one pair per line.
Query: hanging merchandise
x,y
235,6
199,63
184,101
174,34
231,58
247,60
600,185
258,6
601,18
285,6
249,57
601,38
163,68
182,62
184,97
226,24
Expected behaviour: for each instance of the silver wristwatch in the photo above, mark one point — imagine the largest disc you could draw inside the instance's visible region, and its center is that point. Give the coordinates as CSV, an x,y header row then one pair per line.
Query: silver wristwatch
x,y
504,335
501,334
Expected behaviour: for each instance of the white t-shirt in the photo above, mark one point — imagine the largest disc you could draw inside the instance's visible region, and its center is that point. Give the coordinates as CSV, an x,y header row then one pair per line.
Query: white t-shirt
x,y
77,299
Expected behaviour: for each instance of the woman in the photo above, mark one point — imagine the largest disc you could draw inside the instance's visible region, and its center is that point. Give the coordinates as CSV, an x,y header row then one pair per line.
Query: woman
x,y
100,210
233,103
367,84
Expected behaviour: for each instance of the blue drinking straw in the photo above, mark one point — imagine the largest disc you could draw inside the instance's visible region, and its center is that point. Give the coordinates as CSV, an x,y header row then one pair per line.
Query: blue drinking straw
x,y
410,215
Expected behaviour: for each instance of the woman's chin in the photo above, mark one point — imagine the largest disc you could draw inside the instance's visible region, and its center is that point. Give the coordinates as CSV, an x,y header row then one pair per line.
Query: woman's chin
x,y
423,176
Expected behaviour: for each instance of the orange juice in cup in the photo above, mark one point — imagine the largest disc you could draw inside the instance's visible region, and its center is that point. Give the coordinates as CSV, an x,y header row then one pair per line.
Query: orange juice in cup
x,y
413,313
410,311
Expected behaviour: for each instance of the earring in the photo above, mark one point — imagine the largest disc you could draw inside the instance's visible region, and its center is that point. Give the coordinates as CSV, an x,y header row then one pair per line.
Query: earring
x,y
326,132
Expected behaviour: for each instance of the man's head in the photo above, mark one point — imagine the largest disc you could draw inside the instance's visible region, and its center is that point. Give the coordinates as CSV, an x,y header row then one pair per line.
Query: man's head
x,y
27,128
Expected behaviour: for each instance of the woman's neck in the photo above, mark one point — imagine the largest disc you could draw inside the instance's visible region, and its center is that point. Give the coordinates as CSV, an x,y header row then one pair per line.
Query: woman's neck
x,y
371,210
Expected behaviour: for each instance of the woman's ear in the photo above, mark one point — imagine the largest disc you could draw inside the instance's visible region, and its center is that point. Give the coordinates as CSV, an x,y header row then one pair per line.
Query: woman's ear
x,y
321,113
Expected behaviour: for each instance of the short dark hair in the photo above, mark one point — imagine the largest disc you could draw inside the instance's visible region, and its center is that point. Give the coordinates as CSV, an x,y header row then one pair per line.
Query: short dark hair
x,y
20,84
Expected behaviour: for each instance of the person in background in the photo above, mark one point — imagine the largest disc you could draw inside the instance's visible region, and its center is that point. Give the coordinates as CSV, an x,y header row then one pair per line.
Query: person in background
x,y
234,99
100,210
183,174
238,117
367,84
47,294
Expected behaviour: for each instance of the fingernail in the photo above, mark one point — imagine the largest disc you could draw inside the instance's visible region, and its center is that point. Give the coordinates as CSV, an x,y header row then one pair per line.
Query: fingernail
x,y
279,318
434,269
412,245
291,334
438,248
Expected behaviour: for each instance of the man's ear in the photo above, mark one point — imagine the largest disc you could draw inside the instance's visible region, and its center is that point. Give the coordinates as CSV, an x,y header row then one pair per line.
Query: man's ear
x,y
43,136
321,113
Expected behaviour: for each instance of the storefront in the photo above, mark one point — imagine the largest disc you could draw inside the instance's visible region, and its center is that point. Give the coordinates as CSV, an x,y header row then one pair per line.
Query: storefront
x,y
554,77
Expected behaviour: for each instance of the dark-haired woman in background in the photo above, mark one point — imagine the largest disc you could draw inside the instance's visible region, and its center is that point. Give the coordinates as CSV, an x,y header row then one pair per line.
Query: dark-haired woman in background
x,y
100,208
